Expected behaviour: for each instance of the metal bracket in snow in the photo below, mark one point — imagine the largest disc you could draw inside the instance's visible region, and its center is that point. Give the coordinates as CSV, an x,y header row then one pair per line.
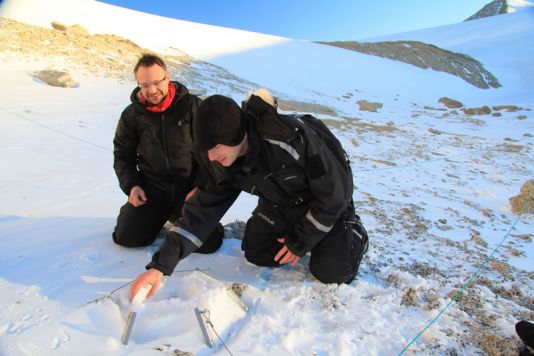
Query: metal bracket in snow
x,y
203,322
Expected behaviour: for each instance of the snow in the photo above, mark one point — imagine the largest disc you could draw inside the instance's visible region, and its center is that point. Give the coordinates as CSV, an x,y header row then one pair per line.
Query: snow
x,y
490,40
207,41
421,196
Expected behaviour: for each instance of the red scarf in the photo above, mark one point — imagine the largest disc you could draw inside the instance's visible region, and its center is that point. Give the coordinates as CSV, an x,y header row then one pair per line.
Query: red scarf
x,y
165,103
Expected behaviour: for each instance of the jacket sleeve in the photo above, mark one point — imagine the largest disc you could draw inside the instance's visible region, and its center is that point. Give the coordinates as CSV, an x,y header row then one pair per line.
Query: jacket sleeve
x,y
199,170
125,152
200,216
331,190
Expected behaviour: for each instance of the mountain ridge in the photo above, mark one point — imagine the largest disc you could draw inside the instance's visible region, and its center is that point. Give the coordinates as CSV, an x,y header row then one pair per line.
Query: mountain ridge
x,y
500,7
424,55
494,8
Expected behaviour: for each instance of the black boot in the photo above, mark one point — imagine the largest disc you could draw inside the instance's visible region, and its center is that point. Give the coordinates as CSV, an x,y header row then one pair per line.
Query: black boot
x,y
525,330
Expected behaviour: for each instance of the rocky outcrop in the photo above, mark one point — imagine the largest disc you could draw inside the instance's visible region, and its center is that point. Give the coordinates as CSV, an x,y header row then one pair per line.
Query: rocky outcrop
x,y
72,48
409,297
483,110
301,106
450,103
74,29
508,108
55,78
426,56
59,26
496,7
524,202
369,105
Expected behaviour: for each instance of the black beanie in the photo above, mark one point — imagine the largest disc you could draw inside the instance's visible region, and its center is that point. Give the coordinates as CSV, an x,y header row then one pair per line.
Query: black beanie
x,y
218,120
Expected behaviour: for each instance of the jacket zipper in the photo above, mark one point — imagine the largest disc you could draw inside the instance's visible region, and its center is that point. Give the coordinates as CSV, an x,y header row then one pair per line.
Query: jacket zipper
x,y
165,153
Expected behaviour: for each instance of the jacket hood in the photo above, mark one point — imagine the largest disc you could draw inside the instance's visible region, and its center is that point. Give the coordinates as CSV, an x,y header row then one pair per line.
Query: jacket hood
x,y
267,121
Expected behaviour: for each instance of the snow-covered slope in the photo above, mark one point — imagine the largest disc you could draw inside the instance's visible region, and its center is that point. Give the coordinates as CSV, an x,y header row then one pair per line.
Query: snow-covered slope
x,y
502,43
432,187
150,31
331,72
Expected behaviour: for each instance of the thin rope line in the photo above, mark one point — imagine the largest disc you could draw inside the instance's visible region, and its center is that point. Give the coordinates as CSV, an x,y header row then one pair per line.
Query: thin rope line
x,y
207,315
490,148
358,171
473,276
34,187
108,295
57,131
218,337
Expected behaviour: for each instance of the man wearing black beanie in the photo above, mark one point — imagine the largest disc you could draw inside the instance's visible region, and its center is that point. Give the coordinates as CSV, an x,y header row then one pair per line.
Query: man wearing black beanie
x,y
301,175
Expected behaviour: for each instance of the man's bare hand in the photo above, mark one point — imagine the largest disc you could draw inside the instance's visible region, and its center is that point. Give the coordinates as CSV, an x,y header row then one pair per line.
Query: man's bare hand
x,y
152,276
137,196
285,256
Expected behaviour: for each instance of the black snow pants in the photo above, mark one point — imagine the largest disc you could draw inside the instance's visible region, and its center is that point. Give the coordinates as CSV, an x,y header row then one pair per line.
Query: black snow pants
x,y
139,226
335,259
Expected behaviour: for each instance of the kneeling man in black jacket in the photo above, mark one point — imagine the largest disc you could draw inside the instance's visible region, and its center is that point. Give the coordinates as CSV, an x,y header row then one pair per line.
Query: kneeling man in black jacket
x,y
303,180
152,156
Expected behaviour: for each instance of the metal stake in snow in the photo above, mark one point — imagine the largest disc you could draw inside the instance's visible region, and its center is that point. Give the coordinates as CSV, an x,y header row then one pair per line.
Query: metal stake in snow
x,y
203,320
137,303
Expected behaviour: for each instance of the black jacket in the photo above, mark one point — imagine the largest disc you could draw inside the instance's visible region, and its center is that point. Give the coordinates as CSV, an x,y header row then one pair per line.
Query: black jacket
x,y
288,167
154,149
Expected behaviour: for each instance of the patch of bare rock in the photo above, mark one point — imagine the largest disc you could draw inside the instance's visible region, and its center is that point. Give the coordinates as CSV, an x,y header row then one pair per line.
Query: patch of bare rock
x,y
524,201
370,106
55,78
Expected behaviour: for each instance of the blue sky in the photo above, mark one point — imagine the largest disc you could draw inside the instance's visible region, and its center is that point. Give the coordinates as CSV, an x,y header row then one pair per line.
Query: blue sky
x,y
314,20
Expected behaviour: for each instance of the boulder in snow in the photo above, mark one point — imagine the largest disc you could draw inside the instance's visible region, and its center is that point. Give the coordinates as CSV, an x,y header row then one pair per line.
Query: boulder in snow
x,y
450,103
409,297
59,26
368,105
55,78
484,110
524,202
512,108
74,29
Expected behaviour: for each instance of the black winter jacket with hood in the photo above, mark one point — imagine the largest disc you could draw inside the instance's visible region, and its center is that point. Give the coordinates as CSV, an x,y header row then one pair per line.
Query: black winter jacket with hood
x,y
290,169
153,149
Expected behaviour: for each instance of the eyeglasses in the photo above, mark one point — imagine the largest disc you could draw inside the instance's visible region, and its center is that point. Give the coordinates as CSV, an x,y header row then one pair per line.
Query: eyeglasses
x,y
155,82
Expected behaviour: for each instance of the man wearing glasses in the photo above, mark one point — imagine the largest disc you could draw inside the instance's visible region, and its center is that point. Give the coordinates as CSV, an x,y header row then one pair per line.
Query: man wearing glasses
x,y
152,156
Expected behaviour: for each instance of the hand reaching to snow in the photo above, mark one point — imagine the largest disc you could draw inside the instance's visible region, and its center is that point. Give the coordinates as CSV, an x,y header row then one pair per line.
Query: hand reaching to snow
x,y
137,196
285,256
152,276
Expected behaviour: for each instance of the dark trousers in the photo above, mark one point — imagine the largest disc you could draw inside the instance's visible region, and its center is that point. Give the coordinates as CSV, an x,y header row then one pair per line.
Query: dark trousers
x,y
525,331
335,259
139,226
